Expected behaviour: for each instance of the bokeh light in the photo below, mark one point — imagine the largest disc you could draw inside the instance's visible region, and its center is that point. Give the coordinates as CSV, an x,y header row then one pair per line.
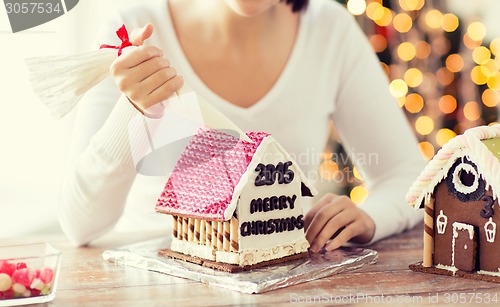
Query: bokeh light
x,y
358,194
357,174
427,150
378,42
471,43
494,82
477,75
402,22
476,31
449,22
329,169
424,125
495,46
423,50
454,62
398,88
490,98
413,77
406,51
356,7
472,111
433,19
444,76
447,104
414,103
411,5
481,55
444,135
383,16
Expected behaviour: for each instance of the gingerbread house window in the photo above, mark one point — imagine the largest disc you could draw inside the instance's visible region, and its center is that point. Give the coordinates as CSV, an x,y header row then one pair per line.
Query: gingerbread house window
x,y
464,181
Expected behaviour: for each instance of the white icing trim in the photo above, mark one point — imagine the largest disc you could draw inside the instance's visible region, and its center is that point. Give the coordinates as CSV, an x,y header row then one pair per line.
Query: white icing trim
x,y
227,257
490,231
462,188
456,227
489,273
193,249
249,257
441,222
487,164
246,257
447,267
462,226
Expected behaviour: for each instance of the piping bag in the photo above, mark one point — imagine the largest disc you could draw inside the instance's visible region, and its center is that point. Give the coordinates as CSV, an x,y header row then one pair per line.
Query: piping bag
x,y
61,81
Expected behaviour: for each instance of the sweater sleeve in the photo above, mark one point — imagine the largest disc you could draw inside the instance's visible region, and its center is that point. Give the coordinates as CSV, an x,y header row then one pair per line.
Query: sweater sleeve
x,y
101,169
376,134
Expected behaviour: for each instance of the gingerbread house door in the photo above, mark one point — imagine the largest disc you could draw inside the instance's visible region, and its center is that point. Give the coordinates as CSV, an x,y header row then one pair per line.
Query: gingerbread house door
x,y
464,247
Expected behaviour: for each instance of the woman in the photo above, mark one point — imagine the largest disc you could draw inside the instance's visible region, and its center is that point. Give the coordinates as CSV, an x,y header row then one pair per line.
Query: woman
x,y
269,65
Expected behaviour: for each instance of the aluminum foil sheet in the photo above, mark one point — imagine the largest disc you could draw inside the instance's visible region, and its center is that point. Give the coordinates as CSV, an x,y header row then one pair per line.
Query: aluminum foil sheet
x,y
144,255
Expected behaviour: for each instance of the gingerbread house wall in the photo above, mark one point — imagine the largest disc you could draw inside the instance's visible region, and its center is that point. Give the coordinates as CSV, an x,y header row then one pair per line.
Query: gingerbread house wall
x,y
217,235
488,253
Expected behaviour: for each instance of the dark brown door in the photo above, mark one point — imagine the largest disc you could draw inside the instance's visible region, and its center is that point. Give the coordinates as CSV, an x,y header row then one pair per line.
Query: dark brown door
x,y
464,247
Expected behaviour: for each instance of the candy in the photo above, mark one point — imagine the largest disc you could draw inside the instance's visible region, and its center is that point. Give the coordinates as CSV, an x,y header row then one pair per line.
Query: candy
x,y
46,275
37,284
18,288
6,295
5,282
19,281
23,277
7,268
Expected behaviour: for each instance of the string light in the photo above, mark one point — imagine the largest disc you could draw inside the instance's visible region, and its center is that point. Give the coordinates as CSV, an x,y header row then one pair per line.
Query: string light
x,y
472,111
406,51
476,31
454,62
490,98
398,88
447,104
444,135
424,125
358,194
402,22
356,7
427,150
413,77
449,22
414,103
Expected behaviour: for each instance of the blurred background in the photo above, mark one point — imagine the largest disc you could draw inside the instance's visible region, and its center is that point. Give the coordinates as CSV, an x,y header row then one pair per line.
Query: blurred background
x,y
441,57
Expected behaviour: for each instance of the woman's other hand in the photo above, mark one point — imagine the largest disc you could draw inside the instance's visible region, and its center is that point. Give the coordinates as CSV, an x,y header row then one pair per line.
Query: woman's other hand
x,y
334,220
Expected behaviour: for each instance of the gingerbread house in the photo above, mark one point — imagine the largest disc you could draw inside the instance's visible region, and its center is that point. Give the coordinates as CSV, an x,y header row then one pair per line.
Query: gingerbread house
x,y
235,201
458,190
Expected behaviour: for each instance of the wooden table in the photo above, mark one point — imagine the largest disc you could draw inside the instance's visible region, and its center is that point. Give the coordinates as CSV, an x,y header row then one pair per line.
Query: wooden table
x,y
88,280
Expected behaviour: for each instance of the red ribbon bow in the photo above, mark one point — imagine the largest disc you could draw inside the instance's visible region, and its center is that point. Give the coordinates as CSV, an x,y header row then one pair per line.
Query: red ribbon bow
x,y
123,35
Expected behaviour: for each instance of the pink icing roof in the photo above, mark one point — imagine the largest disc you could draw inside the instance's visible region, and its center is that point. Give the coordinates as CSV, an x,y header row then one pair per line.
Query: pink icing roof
x,y
203,180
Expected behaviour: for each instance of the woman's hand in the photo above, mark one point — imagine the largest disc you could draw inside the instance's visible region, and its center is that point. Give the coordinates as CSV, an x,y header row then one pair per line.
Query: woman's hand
x,y
334,220
143,74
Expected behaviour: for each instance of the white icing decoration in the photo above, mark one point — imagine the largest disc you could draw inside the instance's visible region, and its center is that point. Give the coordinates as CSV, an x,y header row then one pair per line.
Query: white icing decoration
x,y
269,153
457,226
490,229
465,246
462,188
446,267
246,257
489,273
462,226
442,221
469,144
248,177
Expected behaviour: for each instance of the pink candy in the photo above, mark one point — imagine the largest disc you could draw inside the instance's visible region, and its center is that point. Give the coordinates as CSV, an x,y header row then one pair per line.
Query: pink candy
x,y
18,280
